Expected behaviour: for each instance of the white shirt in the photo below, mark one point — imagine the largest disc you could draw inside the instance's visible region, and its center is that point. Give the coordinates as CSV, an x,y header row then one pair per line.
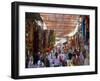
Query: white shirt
x,y
56,61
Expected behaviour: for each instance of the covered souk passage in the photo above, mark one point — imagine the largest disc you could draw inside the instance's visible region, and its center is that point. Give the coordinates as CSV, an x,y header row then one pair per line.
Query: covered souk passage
x,y
54,40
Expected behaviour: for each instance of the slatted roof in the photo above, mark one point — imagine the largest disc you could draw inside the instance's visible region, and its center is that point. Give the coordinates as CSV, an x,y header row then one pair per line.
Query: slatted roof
x,y
62,23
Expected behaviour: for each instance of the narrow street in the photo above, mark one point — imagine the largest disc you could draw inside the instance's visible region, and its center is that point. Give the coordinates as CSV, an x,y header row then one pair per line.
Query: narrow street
x,y
56,40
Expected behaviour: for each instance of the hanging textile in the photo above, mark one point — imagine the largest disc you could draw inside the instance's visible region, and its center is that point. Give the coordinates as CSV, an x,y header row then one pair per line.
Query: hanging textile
x,y
83,27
